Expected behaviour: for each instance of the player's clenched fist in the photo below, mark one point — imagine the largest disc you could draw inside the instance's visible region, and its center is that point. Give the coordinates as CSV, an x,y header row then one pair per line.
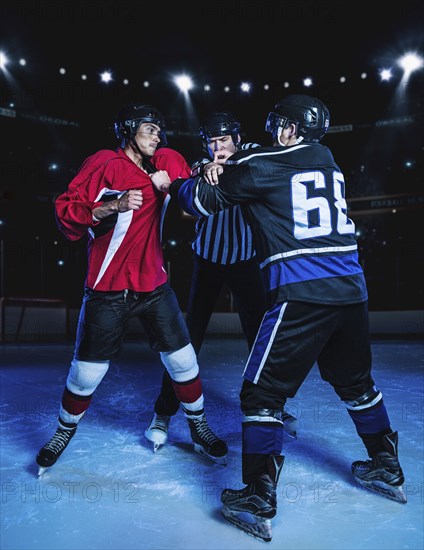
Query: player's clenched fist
x,y
131,200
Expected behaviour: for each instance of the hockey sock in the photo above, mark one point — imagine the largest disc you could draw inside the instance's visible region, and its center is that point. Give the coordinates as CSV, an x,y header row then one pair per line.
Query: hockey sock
x,y
262,435
83,378
371,421
190,395
183,368
73,407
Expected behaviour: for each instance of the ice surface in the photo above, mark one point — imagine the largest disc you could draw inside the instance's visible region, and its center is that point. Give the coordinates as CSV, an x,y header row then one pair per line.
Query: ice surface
x,y
110,491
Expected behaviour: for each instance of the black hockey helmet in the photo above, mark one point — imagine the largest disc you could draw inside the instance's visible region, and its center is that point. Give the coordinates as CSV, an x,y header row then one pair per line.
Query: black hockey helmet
x,y
219,124
132,115
311,116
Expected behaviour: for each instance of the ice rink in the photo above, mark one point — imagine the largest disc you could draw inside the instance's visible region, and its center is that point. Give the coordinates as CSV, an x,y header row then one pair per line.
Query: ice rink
x,y
110,491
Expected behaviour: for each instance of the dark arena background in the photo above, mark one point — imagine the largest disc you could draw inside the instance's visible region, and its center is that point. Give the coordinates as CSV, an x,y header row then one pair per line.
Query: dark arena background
x,y
55,111
379,149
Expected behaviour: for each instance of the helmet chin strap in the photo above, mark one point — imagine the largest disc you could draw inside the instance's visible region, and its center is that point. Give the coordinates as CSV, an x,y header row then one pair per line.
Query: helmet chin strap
x,y
278,136
147,163
237,141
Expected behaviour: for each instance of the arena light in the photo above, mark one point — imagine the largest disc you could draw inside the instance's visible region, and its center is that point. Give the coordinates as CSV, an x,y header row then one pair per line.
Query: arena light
x,y
3,61
410,62
106,76
183,82
386,75
245,87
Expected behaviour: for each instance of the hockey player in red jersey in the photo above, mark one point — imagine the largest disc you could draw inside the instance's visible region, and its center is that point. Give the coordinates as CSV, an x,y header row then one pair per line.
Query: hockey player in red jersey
x,y
112,199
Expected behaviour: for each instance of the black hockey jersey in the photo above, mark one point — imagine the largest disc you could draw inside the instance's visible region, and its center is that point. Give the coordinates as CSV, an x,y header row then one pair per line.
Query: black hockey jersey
x,y
294,200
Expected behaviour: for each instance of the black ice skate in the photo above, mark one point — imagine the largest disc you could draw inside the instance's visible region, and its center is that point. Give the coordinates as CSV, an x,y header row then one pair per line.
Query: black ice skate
x,y
206,442
382,474
157,431
52,450
252,508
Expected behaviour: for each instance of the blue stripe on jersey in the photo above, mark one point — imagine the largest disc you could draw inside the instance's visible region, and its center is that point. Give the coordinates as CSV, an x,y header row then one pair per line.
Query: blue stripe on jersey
x,y
264,438
263,342
185,197
307,269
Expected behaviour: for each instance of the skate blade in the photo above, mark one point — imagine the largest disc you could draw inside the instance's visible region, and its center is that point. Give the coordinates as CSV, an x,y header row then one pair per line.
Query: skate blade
x,y
158,440
42,470
290,425
255,527
222,460
157,446
384,489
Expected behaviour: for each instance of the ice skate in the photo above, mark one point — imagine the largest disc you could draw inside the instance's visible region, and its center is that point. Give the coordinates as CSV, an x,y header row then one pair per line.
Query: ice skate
x,y
256,527
252,508
290,424
382,474
52,450
206,443
157,431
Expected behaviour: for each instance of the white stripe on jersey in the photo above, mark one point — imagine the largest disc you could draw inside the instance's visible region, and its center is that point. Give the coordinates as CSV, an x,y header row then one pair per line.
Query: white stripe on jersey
x,y
300,251
119,232
266,154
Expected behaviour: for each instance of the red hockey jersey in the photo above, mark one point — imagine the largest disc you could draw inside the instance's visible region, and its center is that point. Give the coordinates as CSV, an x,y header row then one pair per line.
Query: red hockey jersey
x,y
130,254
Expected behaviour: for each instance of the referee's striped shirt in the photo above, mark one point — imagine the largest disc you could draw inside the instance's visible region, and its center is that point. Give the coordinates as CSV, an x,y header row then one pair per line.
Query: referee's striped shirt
x,y
225,237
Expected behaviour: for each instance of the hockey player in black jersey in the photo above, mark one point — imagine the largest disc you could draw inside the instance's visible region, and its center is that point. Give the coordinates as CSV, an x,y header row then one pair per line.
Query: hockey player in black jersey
x,y
293,196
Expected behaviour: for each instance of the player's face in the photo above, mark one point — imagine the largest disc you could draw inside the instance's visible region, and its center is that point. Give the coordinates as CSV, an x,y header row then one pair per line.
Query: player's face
x,y
147,138
221,143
